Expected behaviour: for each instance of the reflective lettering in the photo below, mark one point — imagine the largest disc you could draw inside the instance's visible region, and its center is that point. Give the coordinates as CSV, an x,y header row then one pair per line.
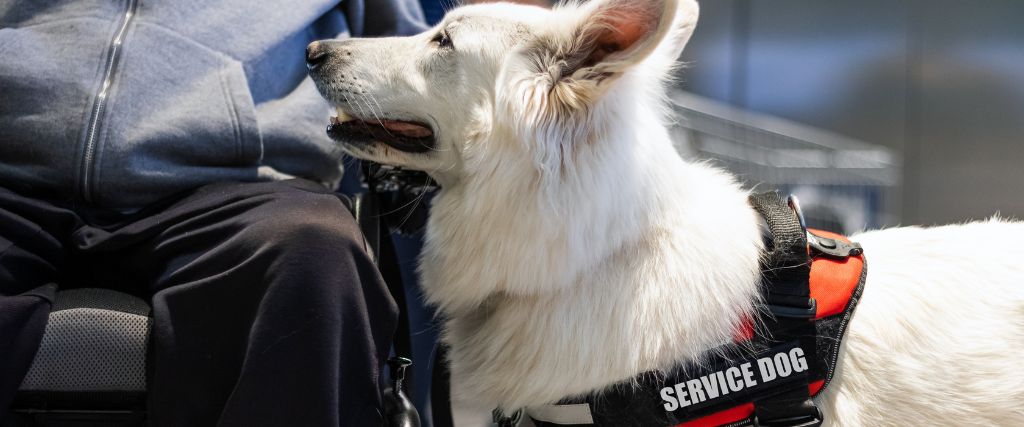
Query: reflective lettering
x,y
671,404
796,355
748,375
782,364
733,377
764,364
696,394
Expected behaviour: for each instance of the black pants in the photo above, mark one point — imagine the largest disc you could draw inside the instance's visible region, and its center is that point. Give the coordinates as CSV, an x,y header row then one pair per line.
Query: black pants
x,y
267,309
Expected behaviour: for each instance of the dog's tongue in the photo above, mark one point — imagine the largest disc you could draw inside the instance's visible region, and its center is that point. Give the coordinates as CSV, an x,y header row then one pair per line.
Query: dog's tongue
x,y
408,129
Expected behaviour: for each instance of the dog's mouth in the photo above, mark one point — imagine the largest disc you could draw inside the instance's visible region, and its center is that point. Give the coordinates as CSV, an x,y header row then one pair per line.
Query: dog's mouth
x,y
403,135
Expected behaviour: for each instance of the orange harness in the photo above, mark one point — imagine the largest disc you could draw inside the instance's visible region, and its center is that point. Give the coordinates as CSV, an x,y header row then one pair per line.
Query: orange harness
x,y
835,282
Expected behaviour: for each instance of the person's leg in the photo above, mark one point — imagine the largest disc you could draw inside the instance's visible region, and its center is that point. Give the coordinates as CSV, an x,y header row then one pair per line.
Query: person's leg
x,y
267,308
31,256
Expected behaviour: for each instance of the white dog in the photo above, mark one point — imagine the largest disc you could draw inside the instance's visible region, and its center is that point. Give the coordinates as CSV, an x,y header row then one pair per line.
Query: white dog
x,y
572,248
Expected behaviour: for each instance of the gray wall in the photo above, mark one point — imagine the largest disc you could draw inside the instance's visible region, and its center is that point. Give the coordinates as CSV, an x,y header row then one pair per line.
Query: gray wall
x,y
940,81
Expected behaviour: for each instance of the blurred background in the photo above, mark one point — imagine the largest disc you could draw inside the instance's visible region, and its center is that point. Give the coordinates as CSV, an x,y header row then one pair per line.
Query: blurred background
x,y
934,90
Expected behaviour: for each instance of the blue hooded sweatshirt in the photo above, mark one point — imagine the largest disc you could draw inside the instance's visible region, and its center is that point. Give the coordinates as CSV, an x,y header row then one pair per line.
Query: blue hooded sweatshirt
x,y
114,104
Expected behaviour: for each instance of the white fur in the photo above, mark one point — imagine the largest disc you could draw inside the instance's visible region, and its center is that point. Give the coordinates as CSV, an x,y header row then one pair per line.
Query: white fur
x,y
572,248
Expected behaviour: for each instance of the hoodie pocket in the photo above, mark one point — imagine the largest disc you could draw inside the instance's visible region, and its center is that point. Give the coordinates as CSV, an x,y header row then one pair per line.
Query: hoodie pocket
x,y
242,113
180,116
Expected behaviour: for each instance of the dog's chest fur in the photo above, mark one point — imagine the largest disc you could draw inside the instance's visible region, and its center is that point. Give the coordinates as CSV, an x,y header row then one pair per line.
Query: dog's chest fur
x,y
541,304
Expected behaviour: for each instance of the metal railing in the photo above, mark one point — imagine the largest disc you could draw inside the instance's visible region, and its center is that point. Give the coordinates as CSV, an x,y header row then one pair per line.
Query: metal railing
x,y
844,184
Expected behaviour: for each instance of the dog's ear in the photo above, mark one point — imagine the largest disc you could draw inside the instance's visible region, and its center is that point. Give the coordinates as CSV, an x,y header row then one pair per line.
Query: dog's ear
x,y
584,48
573,60
606,38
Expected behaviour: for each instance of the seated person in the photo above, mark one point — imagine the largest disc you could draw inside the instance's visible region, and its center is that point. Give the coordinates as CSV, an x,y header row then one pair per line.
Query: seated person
x,y
176,151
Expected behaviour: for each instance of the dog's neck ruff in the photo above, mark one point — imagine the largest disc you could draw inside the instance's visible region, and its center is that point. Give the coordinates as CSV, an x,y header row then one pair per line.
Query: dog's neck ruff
x,y
767,377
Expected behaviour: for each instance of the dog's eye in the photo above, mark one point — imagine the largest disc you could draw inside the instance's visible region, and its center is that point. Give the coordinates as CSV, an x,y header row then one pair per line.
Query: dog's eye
x,y
442,40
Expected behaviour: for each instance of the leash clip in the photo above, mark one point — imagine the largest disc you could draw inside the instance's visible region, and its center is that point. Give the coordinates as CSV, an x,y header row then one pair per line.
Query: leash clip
x,y
503,420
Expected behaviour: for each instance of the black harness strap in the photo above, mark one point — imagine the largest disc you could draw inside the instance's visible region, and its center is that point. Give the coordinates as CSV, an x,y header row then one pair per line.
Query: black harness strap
x,y
786,265
440,389
786,270
398,410
378,237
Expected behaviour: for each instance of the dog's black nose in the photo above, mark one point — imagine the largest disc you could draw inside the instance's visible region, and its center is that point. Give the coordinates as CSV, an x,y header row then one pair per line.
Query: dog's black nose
x,y
315,55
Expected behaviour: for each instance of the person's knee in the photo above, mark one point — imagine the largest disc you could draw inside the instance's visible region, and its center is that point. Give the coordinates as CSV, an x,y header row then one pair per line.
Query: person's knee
x,y
314,245
309,223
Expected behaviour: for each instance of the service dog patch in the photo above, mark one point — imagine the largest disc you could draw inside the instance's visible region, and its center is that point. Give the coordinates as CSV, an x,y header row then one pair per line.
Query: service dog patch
x,y
736,381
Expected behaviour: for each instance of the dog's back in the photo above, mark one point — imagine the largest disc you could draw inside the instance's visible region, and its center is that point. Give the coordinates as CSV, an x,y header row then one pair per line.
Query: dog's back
x,y
939,333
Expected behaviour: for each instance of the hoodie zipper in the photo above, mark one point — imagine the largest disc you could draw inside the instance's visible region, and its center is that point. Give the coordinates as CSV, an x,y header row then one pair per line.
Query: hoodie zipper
x,y
100,103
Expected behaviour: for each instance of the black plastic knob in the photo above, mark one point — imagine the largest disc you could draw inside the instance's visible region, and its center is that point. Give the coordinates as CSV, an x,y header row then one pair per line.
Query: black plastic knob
x,y
398,409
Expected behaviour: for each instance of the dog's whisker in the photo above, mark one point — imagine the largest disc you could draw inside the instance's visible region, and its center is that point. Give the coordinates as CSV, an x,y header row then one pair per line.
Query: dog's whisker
x,y
417,200
378,117
413,201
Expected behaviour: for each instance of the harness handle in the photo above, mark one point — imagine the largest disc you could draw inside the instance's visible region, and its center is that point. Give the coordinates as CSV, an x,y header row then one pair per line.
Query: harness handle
x,y
787,264
787,289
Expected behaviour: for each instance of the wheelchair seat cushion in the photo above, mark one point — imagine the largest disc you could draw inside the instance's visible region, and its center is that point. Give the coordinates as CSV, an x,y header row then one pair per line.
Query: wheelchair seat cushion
x,y
93,353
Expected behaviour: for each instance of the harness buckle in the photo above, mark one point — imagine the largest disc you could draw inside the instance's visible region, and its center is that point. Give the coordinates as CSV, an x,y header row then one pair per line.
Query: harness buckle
x,y
832,247
806,420
798,312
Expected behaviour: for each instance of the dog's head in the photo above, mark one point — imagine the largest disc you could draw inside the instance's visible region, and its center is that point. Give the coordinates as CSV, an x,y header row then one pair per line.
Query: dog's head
x,y
522,83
